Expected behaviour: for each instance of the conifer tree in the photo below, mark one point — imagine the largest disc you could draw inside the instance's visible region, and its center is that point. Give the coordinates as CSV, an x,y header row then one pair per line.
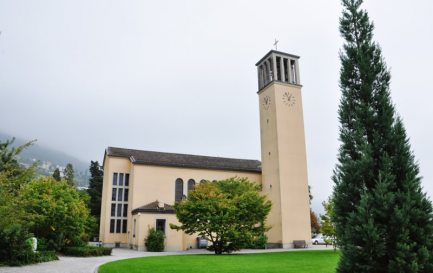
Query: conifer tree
x,y
95,190
56,174
383,219
68,174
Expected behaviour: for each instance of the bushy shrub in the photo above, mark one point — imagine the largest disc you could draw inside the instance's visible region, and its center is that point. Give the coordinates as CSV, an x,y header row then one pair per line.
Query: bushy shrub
x,y
14,247
87,251
45,256
258,242
155,240
16,250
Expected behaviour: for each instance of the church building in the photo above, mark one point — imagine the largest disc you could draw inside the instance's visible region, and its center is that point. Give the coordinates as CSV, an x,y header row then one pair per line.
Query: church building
x,y
141,187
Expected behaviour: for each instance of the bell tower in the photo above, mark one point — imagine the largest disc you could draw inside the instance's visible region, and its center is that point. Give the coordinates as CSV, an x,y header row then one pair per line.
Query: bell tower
x,y
284,160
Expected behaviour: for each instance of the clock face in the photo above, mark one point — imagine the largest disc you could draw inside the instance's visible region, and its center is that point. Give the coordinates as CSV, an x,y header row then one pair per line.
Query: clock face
x,y
266,102
289,99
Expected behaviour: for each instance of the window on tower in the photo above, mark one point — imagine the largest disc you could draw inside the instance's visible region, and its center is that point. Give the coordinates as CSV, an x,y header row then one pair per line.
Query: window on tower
x,y
286,69
278,76
266,72
271,69
293,70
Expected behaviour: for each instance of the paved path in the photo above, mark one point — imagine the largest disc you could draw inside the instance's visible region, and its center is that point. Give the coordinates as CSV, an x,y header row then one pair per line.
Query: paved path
x,y
89,265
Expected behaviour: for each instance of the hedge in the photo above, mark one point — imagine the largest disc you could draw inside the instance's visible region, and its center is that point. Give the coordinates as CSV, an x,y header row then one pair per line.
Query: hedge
x,y
86,251
46,256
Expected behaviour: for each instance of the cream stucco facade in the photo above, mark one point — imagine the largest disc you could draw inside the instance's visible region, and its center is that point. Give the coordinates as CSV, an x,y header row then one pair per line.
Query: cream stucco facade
x,y
140,187
147,184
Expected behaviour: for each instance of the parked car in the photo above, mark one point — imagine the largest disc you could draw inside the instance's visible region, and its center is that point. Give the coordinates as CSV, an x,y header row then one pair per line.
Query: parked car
x,y
320,239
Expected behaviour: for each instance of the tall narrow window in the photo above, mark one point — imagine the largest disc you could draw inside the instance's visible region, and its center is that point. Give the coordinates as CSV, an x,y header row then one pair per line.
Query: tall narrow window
x,y
113,209
261,76
120,179
124,226
160,225
113,195
120,195
114,178
119,210
278,76
119,203
126,195
191,184
286,69
125,210
178,189
127,179
271,69
118,223
293,68
112,226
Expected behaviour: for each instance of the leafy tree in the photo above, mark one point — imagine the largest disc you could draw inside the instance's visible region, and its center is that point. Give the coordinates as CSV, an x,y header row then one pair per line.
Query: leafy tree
x,y
230,213
95,191
68,174
383,219
15,176
14,230
314,221
315,224
56,174
57,212
8,154
328,227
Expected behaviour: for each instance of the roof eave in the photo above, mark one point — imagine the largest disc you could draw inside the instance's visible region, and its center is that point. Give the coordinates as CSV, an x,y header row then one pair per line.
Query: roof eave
x,y
168,164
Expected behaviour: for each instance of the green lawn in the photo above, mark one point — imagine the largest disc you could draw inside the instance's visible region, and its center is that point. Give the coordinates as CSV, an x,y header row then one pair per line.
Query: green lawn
x,y
317,261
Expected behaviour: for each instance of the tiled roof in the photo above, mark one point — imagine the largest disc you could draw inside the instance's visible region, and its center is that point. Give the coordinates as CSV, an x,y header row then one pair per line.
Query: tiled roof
x,y
154,207
185,160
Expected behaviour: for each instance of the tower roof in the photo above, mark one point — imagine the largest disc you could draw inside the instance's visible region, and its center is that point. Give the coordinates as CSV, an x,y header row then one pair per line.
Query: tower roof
x,y
154,207
279,53
277,66
185,160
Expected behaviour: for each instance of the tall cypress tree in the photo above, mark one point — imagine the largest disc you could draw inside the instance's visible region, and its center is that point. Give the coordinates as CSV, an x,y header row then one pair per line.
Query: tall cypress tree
x,y
383,219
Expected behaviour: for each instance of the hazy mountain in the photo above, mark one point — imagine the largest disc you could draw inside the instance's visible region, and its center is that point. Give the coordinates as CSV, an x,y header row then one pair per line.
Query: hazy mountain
x,y
48,159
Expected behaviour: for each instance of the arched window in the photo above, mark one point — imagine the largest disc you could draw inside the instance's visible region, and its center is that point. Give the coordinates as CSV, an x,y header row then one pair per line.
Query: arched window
x,y
178,189
191,184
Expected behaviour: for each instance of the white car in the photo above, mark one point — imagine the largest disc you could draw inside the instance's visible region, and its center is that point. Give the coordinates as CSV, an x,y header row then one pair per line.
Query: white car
x,y
319,239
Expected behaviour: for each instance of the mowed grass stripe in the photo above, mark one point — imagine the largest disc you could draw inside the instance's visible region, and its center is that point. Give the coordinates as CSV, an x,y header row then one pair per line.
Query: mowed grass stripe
x,y
318,261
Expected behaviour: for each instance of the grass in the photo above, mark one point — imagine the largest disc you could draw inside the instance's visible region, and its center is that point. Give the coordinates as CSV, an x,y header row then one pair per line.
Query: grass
x,y
318,261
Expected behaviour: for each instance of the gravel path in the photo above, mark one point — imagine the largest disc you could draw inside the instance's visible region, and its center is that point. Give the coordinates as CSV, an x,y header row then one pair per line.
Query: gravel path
x,y
89,265
81,265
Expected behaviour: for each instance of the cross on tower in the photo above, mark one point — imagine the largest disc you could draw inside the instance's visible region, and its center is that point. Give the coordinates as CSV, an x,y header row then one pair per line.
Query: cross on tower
x,y
275,44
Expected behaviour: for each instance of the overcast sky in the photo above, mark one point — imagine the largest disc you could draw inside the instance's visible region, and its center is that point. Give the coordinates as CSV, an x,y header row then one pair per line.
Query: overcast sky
x,y
180,76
